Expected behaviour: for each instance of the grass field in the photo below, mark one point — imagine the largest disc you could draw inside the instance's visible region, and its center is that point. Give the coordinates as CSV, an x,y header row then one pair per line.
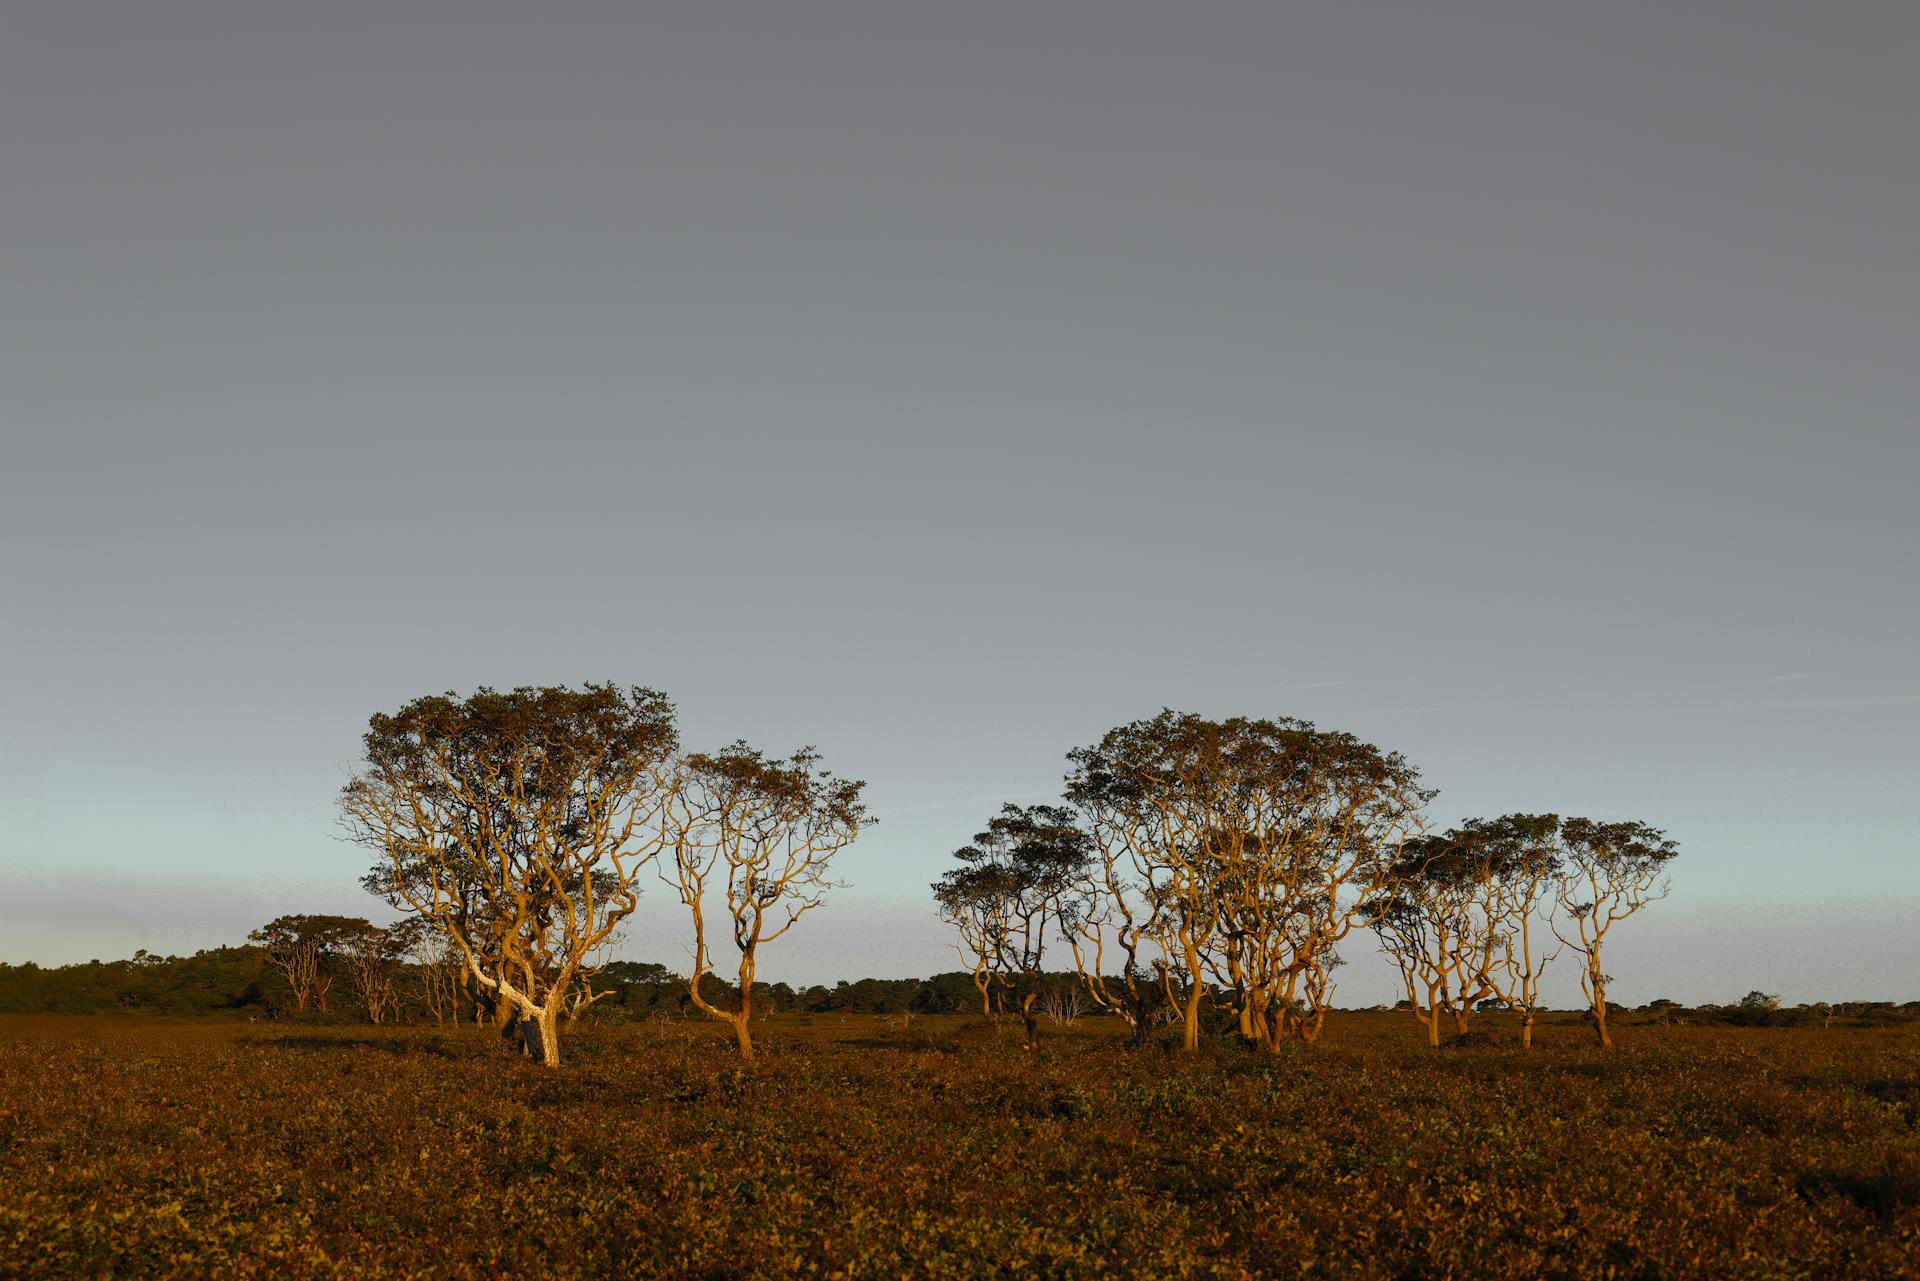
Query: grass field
x,y
863,1147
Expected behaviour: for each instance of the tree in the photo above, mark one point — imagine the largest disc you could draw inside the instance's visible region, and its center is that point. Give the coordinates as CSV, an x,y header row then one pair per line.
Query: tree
x,y
979,919
1758,1007
1116,905
304,948
774,826
437,965
1461,922
1009,895
1611,871
517,823
1261,842
1440,929
1523,852
370,955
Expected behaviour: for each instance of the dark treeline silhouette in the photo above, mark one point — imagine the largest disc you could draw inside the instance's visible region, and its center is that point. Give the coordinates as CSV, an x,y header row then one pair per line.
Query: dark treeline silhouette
x,y
244,982
241,982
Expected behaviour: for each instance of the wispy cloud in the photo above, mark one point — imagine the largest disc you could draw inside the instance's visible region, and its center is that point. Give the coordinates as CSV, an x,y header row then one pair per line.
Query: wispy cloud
x,y
1825,704
951,804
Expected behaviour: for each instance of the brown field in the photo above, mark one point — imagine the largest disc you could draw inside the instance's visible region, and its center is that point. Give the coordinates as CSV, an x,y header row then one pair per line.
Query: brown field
x,y
866,1147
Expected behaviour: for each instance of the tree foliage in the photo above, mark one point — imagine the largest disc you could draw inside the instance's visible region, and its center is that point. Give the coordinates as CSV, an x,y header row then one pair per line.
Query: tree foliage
x,y
1254,846
1011,893
762,833
518,823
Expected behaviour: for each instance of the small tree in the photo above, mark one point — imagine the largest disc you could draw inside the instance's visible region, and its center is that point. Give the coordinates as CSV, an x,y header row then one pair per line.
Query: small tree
x,y
1611,871
370,956
305,950
979,918
1435,930
517,824
1523,853
774,826
1062,1006
1462,924
1758,1007
436,965
1010,893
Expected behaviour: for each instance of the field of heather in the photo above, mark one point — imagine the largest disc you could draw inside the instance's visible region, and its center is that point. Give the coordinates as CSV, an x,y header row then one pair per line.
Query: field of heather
x,y
938,1147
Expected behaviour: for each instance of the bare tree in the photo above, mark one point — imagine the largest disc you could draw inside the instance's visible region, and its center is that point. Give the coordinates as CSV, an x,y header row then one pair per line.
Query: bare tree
x,y
1062,1006
763,832
1611,871
517,824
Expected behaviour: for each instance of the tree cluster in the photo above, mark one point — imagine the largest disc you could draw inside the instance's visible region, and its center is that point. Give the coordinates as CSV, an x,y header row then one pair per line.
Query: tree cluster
x,y
1222,864
518,827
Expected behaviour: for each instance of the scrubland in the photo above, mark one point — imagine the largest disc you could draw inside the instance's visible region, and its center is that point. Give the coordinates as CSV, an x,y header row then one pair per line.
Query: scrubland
x,y
938,1147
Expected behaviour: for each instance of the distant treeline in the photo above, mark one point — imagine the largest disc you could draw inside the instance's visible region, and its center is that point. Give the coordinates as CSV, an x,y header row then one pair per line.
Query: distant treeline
x,y
242,982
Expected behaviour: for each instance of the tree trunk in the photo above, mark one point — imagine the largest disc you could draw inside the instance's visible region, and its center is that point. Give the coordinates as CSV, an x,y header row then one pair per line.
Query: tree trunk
x,y
1272,1027
1526,1030
543,1036
1600,1022
1196,989
740,1030
741,1033
1429,1020
1027,1019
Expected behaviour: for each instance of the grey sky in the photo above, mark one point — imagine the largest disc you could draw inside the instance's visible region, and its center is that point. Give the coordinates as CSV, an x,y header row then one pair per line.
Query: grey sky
x,y
1527,387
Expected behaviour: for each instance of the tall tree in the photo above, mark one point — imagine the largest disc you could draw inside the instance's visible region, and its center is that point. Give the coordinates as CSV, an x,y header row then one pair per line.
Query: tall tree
x,y
763,832
1008,897
1610,872
518,824
1262,842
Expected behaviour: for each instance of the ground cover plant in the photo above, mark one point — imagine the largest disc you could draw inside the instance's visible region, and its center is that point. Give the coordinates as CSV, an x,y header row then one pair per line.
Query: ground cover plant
x,y
937,1146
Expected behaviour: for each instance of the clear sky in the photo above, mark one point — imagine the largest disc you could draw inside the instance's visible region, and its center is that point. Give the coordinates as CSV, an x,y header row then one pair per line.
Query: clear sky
x,y
1529,388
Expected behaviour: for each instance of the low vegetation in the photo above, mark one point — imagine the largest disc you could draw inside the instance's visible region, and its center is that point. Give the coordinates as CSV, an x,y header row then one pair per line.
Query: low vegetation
x,y
937,1146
